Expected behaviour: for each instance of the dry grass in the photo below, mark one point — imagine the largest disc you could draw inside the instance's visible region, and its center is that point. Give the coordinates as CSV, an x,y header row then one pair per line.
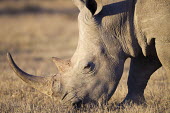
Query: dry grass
x,y
33,38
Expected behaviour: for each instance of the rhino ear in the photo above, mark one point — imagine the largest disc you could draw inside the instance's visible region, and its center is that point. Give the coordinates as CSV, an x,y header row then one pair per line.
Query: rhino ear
x,y
95,6
62,65
79,3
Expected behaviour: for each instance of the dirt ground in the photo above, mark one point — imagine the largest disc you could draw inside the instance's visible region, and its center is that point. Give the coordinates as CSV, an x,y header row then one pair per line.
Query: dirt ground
x,y
34,31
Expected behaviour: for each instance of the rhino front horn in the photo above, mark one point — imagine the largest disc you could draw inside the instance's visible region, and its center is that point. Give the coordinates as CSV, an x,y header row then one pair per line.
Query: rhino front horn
x,y
43,84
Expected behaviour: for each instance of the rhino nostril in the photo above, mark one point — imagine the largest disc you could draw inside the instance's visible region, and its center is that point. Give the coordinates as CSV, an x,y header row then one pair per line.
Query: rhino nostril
x,y
64,96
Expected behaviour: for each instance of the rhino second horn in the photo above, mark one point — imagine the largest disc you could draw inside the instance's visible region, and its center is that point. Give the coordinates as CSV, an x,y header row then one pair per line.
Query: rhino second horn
x,y
43,84
62,65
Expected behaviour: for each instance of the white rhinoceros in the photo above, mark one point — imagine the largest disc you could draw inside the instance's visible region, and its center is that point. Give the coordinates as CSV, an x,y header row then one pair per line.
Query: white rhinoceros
x,y
110,31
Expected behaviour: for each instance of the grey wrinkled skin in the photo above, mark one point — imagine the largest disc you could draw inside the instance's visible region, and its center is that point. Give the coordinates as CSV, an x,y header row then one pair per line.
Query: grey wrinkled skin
x,y
110,31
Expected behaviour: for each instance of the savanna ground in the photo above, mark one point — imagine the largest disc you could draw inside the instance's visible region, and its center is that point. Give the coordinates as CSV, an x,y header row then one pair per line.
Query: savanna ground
x,y
33,31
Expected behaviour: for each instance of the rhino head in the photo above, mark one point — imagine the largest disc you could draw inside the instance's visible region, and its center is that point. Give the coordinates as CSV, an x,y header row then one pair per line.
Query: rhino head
x,y
94,71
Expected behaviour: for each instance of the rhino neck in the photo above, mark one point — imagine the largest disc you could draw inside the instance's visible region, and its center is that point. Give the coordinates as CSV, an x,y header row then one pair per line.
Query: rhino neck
x,y
116,20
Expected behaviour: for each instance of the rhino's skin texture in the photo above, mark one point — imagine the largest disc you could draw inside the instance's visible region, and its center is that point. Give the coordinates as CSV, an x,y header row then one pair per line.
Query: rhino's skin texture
x,y
110,31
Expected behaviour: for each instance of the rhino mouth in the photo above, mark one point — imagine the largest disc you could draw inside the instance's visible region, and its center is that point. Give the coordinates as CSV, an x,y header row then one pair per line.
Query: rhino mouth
x,y
77,102
74,100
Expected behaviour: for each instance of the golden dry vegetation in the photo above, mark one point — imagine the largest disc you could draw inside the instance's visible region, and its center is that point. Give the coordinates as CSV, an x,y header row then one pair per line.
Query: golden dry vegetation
x,y
34,31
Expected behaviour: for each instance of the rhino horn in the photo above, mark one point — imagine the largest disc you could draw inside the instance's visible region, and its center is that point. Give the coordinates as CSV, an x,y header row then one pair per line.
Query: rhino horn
x,y
41,83
62,65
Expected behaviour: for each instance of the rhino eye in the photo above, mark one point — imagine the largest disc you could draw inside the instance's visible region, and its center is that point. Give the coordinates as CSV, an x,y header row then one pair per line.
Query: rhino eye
x,y
89,67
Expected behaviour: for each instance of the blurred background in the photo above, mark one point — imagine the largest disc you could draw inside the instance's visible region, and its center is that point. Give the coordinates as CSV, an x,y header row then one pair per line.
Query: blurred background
x,y
36,30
